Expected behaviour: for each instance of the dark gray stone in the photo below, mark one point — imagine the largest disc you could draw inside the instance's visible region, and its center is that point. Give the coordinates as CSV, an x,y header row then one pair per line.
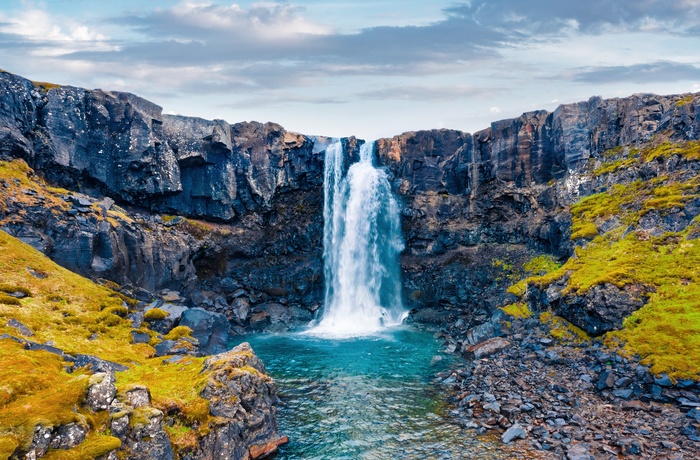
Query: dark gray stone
x,y
210,329
514,432
24,330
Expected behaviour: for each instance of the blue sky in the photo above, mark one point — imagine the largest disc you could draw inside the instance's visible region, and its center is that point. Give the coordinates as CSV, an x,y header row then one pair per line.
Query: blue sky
x,y
357,67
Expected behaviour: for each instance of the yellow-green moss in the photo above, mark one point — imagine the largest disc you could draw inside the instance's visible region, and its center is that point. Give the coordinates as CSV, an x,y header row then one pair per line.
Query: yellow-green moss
x,y
95,445
541,264
685,100
9,288
126,299
689,150
36,390
120,310
665,333
8,300
174,386
8,444
561,329
518,289
155,314
182,438
517,310
179,332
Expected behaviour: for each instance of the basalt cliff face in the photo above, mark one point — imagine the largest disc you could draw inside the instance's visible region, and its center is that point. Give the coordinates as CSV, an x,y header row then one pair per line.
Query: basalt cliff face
x,y
501,194
505,191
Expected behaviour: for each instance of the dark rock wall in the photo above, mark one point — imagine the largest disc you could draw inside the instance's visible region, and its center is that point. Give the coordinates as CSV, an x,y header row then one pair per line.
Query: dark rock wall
x,y
509,184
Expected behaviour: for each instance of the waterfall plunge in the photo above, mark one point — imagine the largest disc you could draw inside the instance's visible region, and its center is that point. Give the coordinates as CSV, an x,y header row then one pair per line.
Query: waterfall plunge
x,y
362,241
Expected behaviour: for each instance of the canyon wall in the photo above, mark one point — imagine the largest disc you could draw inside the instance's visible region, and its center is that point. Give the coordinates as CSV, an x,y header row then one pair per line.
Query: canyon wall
x,y
468,200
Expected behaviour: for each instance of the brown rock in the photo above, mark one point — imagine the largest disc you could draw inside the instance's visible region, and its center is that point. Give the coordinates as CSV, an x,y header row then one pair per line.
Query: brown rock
x,y
634,405
486,348
270,448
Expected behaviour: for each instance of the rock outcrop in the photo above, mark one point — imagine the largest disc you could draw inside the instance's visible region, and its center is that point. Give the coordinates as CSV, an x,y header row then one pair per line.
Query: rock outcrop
x,y
509,185
501,193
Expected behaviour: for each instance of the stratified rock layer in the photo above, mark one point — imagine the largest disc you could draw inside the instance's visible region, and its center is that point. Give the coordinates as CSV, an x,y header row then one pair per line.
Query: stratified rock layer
x,y
467,198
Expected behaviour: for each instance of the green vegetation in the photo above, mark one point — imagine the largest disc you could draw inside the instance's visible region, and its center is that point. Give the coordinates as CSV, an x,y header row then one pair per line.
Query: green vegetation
x,y
155,314
685,100
8,288
178,333
688,150
79,316
8,300
666,331
517,310
561,329
94,446
537,266
44,86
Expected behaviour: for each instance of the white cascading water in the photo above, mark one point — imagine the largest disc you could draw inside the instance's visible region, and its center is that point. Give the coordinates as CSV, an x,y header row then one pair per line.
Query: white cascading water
x,y
362,241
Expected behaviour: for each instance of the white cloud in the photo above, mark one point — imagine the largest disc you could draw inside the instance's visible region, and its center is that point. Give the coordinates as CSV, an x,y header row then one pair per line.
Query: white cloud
x,y
52,36
495,110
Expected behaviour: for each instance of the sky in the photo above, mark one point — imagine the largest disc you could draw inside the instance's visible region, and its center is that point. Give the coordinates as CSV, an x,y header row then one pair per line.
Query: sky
x,y
370,68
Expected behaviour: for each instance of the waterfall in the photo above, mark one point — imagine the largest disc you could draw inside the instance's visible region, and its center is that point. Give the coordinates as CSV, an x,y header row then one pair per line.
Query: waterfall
x,y
361,245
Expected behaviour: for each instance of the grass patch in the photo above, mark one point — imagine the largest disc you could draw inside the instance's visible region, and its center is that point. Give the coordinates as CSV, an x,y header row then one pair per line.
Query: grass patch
x,y
95,445
688,150
174,387
45,86
182,438
665,333
36,390
9,300
68,310
10,289
517,310
155,314
561,329
686,100
178,333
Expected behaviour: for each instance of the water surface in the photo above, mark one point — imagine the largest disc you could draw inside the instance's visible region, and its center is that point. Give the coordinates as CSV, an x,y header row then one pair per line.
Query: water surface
x,y
364,398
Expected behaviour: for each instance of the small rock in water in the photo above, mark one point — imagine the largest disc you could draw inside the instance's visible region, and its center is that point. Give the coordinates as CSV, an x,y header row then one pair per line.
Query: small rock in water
x,y
515,431
436,359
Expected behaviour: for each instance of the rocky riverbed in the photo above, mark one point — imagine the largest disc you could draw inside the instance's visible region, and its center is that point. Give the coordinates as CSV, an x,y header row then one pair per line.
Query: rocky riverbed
x,y
571,399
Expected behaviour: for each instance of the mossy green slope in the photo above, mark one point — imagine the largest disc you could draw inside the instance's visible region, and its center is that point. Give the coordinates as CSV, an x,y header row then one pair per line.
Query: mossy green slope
x,y
77,316
665,333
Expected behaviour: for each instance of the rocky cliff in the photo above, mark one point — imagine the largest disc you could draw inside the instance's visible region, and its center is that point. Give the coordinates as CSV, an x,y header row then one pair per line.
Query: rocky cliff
x,y
84,375
476,207
504,192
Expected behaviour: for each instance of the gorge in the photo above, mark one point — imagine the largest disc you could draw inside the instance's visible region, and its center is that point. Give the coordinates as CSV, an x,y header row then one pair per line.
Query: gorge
x,y
588,213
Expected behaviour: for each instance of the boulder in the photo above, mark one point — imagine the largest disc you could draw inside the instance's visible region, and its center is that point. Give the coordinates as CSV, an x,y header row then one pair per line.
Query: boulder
x,y
486,348
241,394
101,391
210,329
514,432
68,436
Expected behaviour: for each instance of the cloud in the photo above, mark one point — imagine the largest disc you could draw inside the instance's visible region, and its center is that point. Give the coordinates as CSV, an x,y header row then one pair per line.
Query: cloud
x,y
590,16
660,71
431,93
36,31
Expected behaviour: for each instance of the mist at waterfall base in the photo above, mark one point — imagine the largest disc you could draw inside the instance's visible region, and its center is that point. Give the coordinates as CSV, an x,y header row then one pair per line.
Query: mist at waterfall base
x,y
361,245
357,384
